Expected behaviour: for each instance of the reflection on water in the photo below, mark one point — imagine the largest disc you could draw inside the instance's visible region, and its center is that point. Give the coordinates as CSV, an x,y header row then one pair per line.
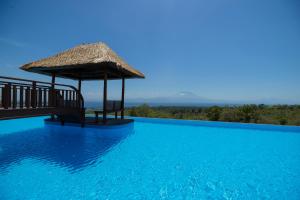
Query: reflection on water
x,y
70,147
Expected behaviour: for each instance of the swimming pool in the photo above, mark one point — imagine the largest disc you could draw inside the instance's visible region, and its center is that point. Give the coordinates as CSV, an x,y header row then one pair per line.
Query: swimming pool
x,y
148,159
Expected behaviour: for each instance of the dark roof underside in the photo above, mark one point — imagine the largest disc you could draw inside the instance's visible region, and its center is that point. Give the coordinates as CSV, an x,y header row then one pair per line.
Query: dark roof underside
x,y
87,72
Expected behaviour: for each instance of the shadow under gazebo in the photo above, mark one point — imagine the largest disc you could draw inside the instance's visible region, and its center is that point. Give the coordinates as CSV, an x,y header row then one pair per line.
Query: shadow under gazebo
x,y
69,147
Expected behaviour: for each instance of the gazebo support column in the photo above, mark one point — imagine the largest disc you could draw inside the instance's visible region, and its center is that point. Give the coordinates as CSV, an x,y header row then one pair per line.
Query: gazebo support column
x,y
79,85
123,98
104,98
52,93
79,88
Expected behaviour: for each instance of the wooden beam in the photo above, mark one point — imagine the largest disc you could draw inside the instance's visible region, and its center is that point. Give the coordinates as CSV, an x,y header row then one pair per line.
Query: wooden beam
x,y
104,98
33,95
123,98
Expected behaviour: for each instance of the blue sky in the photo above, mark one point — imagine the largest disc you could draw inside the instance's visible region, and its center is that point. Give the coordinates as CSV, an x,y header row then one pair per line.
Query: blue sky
x,y
217,49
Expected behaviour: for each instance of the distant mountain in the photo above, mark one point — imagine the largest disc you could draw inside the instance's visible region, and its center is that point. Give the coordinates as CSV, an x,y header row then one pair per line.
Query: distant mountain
x,y
187,98
192,99
181,98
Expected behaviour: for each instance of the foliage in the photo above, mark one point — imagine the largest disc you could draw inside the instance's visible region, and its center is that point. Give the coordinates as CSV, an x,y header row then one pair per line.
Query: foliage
x,y
263,114
248,113
141,111
213,113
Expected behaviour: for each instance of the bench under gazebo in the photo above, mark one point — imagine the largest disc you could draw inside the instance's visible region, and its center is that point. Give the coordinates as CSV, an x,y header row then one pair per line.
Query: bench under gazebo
x,y
88,62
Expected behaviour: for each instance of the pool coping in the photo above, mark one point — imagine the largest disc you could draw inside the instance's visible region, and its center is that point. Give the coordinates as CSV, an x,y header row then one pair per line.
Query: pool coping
x,y
216,124
268,127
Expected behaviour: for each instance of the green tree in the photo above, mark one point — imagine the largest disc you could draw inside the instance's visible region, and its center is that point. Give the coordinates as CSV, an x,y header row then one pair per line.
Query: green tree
x,y
229,115
132,112
143,111
248,113
277,114
213,113
282,118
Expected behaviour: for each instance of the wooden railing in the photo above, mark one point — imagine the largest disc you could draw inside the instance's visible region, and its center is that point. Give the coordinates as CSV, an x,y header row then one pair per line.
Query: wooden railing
x,y
25,94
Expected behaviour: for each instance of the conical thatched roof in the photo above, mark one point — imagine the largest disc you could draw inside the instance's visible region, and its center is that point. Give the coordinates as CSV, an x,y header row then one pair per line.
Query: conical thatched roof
x,y
86,62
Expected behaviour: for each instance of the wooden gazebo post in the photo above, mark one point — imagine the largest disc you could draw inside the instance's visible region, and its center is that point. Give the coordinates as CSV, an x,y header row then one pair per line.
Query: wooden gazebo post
x,y
79,85
79,89
104,97
52,93
123,98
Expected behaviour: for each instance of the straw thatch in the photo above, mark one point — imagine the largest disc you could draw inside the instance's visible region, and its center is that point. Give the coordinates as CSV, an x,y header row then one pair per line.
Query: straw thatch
x,y
86,62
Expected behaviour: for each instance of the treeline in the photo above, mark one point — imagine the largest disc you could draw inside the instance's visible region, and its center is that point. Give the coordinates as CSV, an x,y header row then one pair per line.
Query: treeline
x,y
263,114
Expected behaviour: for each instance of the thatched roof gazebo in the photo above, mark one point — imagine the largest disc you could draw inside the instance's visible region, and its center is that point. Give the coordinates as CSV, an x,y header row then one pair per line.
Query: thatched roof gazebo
x,y
94,61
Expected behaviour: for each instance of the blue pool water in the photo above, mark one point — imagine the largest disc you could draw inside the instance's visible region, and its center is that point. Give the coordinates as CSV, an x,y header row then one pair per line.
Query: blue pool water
x,y
150,159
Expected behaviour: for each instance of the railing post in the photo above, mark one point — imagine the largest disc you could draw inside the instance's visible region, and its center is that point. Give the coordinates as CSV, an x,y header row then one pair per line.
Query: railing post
x,y
73,99
70,99
14,103
33,95
63,98
4,97
45,97
7,96
21,96
27,97
40,98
